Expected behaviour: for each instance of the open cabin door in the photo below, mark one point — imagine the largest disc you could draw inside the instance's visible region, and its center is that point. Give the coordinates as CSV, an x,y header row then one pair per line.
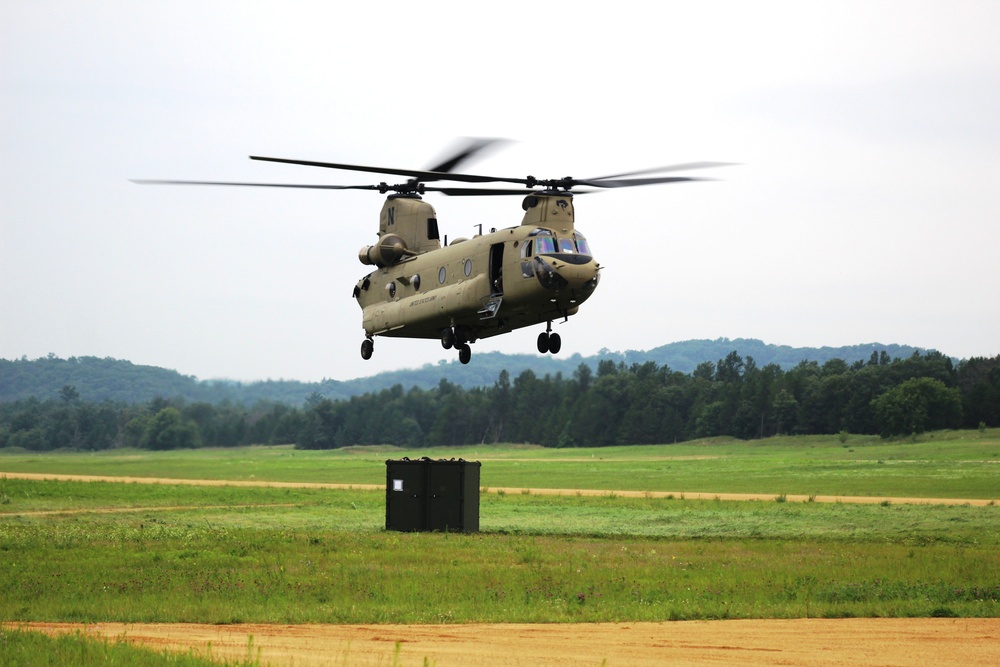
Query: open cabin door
x,y
496,269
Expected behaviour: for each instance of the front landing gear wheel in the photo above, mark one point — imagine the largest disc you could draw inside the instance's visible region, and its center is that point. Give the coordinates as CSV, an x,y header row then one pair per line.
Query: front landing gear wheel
x,y
367,349
464,353
555,343
543,342
549,342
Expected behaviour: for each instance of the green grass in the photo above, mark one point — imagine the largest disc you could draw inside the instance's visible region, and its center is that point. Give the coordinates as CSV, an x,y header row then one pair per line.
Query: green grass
x,y
92,552
952,464
303,555
203,574
49,503
22,648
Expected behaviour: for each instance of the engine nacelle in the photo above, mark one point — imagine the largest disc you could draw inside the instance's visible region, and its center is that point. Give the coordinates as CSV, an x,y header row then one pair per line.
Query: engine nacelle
x,y
390,249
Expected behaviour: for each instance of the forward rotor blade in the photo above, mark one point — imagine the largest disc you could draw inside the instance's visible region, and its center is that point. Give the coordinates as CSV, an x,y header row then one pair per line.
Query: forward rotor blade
x,y
259,185
633,182
659,170
477,192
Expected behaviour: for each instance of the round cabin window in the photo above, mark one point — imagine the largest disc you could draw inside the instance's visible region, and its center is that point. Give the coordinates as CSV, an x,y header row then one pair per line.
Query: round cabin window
x,y
468,268
441,275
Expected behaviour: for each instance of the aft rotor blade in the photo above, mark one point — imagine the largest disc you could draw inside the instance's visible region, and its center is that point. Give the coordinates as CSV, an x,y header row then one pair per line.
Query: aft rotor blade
x,y
259,185
412,173
470,147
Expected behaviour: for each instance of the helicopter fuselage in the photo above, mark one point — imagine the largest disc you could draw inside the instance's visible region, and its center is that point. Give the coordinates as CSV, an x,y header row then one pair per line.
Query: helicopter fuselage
x,y
537,272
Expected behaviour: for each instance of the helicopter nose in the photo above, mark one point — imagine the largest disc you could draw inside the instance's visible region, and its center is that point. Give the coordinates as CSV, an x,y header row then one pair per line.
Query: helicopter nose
x,y
576,273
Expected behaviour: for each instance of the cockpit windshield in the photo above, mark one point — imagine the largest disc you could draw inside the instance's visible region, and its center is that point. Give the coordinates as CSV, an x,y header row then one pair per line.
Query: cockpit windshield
x,y
544,242
544,245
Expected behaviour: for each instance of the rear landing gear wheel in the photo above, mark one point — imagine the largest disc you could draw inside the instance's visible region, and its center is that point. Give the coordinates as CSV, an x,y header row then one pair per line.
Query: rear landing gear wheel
x,y
447,338
367,349
464,353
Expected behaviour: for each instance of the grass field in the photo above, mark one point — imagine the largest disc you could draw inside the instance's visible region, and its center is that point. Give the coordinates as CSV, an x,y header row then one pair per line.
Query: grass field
x,y
952,464
89,552
19,648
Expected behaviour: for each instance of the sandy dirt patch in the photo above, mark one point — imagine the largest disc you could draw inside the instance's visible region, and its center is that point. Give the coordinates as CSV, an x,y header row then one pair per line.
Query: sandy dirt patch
x,y
750,643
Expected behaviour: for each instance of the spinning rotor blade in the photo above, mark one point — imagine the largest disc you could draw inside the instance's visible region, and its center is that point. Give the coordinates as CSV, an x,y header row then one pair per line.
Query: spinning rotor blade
x,y
444,172
620,180
633,182
659,170
420,175
478,192
258,185
471,147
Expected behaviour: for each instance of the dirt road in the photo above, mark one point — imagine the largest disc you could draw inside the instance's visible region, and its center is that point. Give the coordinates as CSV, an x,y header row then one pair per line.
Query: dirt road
x,y
753,643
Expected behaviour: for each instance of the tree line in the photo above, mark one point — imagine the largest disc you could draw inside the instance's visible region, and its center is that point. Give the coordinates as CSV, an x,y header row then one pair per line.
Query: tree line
x,y
69,422
618,404
651,404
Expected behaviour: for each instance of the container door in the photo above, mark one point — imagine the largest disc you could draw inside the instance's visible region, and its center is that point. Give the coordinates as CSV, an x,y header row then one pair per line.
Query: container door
x,y
405,496
445,498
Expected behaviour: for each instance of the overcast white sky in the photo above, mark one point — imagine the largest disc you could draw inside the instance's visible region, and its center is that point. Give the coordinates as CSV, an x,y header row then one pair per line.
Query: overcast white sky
x,y
865,207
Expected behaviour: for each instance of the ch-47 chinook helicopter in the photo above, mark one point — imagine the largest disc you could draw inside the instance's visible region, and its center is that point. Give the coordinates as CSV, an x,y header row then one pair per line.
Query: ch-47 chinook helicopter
x,y
490,284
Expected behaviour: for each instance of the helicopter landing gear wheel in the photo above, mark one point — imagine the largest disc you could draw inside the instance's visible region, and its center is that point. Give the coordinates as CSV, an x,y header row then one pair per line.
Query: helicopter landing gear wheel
x,y
464,353
367,349
447,338
555,343
543,342
548,341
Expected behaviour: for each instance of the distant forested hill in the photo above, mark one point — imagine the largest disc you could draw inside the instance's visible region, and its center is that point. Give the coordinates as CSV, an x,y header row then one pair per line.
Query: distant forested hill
x,y
96,379
686,355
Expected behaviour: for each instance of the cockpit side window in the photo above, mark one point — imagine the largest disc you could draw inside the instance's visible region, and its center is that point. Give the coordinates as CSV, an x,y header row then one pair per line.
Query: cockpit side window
x,y
582,246
526,249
